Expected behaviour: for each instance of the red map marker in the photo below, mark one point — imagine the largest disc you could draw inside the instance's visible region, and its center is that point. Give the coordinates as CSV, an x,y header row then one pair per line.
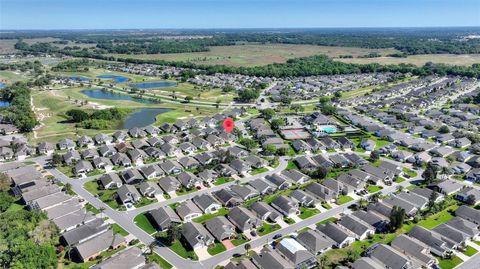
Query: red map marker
x,y
228,125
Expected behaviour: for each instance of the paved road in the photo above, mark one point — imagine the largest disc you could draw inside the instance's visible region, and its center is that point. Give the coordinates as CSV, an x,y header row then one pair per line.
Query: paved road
x,y
472,263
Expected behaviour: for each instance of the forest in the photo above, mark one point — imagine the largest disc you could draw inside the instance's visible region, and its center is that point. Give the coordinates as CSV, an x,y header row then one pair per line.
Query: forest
x,y
19,112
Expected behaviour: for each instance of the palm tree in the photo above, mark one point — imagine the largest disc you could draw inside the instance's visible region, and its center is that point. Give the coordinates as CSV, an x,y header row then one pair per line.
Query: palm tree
x,y
247,248
152,246
362,203
101,209
322,260
400,188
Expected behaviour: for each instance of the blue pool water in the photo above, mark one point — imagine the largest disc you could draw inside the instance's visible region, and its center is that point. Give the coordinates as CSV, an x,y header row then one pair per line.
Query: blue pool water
x,y
150,85
2,85
117,79
142,117
79,78
4,103
329,130
108,95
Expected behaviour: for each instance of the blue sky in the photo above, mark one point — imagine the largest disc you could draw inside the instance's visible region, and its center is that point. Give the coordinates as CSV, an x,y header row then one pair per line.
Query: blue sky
x,y
124,14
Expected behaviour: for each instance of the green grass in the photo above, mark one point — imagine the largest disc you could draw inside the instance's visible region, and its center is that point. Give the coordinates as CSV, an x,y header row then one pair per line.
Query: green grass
x,y
185,191
117,229
288,220
143,223
399,179
326,205
411,187
470,251
374,188
258,171
450,263
331,219
216,248
178,248
92,209
106,196
267,228
306,213
409,172
221,212
159,260
16,206
343,199
438,218
222,180
66,170
291,165
241,239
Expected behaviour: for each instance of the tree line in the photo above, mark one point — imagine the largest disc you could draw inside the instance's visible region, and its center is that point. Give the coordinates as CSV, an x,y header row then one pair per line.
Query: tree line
x,y
19,112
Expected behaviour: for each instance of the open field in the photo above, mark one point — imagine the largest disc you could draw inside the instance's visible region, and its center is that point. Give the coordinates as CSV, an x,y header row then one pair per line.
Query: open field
x,y
257,54
10,76
419,60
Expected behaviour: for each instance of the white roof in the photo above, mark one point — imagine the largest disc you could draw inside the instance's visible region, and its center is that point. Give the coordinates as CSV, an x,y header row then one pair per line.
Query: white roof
x,y
292,245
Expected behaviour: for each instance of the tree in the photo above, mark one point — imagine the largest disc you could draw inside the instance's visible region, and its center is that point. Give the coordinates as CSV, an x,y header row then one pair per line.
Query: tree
x,y
322,261
56,159
174,233
277,123
151,247
248,95
429,175
77,115
188,98
68,188
4,182
247,248
444,129
338,94
397,216
431,200
362,203
297,107
471,200
324,99
269,149
374,156
248,143
328,109
320,173
267,113
6,200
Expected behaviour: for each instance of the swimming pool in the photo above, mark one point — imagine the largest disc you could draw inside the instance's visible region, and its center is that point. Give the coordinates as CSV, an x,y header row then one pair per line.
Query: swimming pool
x,y
328,129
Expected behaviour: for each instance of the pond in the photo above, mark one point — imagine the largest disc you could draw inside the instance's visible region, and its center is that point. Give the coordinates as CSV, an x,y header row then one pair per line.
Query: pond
x,y
79,78
142,117
109,95
117,79
151,85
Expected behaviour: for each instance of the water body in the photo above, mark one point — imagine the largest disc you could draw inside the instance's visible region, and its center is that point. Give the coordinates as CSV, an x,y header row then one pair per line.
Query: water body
x,y
108,95
117,79
142,117
4,103
151,85
2,85
79,78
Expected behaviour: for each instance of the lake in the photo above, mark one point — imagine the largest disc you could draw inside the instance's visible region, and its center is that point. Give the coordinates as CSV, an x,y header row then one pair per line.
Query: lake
x,y
117,79
150,85
142,117
79,78
108,95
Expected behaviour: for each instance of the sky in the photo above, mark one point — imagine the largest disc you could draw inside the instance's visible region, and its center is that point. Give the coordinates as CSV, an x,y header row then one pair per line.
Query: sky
x,y
178,14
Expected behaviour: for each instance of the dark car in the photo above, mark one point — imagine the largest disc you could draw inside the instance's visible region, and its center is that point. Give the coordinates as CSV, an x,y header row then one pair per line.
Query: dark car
x,y
277,236
237,255
253,233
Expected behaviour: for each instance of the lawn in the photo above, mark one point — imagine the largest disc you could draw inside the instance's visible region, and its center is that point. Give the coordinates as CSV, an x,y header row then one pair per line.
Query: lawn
x,y
66,170
222,180
374,188
267,228
409,172
143,223
159,260
92,209
288,220
331,219
241,239
306,213
221,212
216,248
258,171
178,248
117,229
399,179
470,251
343,199
106,196
291,165
449,263
438,218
